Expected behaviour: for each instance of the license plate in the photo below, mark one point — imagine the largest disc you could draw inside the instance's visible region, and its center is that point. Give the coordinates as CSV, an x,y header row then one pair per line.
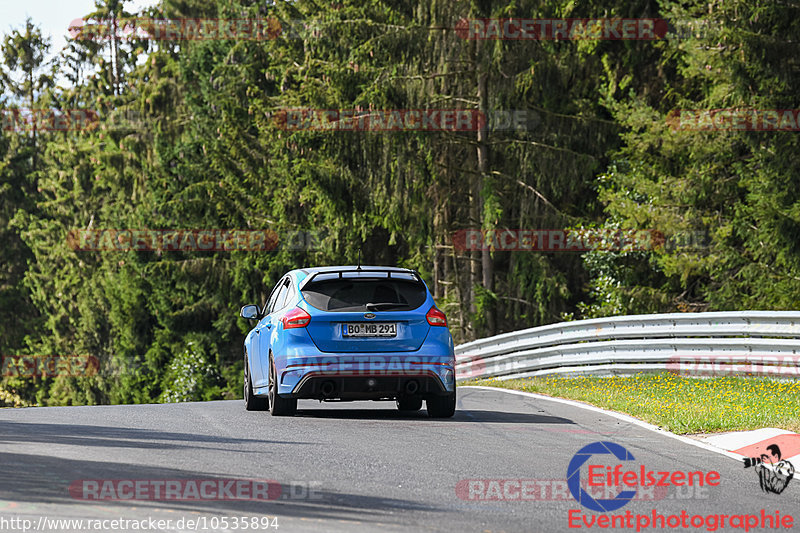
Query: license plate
x,y
379,329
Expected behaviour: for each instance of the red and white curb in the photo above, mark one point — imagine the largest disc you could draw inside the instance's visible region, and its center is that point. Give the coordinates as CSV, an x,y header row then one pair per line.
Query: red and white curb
x,y
754,443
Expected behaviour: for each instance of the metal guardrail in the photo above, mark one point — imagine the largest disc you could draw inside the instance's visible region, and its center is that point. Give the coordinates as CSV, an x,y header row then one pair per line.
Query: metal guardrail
x,y
718,343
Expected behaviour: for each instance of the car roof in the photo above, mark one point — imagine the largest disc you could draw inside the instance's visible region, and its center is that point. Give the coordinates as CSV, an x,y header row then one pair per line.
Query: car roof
x,y
303,273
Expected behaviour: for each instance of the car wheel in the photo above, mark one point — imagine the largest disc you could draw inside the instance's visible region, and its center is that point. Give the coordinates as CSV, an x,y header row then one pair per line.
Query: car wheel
x,y
279,406
251,401
441,406
409,404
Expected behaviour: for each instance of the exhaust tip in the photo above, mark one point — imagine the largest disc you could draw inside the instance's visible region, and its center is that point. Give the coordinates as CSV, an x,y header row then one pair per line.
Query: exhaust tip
x,y
412,386
327,388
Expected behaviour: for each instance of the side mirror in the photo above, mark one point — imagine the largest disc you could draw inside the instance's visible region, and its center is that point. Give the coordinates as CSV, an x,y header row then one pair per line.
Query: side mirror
x,y
249,311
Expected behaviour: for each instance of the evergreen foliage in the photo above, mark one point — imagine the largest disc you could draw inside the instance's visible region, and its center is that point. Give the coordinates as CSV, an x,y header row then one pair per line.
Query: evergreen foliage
x,y
189,136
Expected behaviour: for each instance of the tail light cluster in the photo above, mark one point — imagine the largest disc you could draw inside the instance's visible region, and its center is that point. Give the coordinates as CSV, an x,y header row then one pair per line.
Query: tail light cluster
x,y
436,317
296,318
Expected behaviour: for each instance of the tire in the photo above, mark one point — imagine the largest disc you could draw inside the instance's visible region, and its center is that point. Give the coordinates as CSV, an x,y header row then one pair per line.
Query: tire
x,y
251,401
279,406
409,404
441,406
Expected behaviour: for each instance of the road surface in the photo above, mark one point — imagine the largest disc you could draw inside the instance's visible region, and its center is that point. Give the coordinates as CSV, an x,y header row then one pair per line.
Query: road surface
x,y
359,466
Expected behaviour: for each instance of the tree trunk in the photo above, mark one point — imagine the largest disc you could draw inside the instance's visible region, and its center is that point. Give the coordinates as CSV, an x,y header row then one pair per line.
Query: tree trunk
x,y
487,265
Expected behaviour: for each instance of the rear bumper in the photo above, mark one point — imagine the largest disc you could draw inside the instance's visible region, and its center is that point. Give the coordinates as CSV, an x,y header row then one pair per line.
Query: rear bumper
x,y
358,387
365,376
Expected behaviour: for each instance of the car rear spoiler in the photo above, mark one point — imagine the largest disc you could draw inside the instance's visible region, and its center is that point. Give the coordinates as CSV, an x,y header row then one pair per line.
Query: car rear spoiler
x,y
360,271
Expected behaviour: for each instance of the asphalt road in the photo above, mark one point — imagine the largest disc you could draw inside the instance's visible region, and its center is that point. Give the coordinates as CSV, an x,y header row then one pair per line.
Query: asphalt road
x,y
347,466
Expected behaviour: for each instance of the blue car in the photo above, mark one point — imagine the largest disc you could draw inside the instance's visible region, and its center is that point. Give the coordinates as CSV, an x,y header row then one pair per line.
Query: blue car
x,y
349,333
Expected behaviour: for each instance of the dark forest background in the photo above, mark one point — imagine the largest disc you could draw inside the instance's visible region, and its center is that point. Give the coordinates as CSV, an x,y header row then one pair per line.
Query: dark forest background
x,y
188,139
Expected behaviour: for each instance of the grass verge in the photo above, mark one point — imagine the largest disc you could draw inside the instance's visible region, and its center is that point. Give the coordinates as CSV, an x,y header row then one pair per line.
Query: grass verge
x,y
682,405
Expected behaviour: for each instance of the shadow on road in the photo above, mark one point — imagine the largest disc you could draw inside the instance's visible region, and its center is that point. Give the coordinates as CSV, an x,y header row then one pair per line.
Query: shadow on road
x,y
36,480
116,437
461,416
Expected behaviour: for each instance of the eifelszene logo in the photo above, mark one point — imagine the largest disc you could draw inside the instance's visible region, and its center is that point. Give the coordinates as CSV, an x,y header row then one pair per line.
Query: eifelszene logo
x,y
613,478
620,485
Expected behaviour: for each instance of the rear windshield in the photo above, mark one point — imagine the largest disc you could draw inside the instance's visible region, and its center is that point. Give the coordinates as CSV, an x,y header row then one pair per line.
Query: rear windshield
x,y
365,294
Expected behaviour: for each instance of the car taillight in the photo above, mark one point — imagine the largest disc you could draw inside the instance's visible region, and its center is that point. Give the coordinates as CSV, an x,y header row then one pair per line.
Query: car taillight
x,y
296,318
436,317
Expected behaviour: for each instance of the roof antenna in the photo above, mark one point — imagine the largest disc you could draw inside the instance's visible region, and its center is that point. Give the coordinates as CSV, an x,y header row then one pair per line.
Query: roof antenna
x,y
359,259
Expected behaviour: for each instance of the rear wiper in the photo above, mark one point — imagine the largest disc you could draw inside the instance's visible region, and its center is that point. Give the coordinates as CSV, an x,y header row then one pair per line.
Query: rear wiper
x,y
384,306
